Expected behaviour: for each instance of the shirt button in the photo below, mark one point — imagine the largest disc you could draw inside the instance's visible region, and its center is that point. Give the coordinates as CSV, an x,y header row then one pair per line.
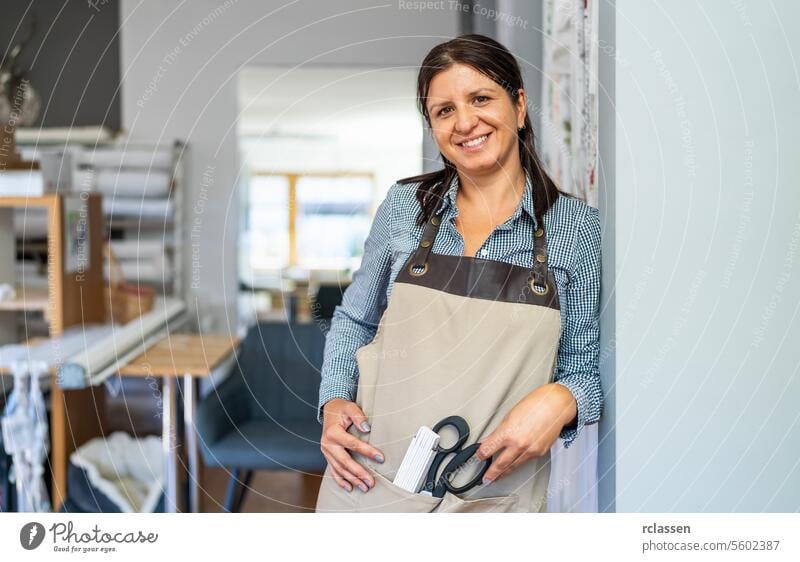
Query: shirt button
x,y
484,252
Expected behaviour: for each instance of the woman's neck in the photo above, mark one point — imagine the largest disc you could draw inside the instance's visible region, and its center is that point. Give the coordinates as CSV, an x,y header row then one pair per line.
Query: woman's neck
x,y
495,193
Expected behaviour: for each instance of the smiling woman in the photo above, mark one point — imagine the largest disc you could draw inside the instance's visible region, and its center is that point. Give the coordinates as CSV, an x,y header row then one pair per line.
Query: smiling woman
x,y
466,118
477,297
470,88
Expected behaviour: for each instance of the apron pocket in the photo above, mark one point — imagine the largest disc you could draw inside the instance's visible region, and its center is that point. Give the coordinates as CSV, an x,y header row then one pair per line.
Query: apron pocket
x,y
500,504
384,497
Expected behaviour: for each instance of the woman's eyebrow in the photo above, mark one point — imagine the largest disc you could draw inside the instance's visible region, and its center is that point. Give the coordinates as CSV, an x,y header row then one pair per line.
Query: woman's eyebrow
x,y
469,95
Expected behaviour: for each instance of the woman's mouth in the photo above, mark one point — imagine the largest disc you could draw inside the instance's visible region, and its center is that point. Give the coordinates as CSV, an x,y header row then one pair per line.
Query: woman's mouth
x,y
474,144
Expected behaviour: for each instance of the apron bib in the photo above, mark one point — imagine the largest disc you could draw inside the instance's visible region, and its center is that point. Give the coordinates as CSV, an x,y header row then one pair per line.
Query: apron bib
x,y
460,336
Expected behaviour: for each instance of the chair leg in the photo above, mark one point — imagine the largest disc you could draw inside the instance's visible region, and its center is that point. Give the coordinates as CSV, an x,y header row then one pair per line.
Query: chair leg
x,y
248,476
231,494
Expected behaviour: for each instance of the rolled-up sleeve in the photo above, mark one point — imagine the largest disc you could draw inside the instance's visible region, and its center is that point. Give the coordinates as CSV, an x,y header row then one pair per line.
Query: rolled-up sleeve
x,y
355,321
578,356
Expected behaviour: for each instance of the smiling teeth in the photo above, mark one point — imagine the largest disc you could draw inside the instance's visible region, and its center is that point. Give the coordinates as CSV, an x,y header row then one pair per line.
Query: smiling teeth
x,y
474,142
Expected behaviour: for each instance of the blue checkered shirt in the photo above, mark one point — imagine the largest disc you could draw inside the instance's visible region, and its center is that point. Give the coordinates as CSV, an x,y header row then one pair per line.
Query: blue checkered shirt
x,y
573,247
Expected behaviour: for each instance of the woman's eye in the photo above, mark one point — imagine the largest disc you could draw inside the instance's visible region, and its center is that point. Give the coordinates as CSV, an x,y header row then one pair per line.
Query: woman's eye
x,y
481,99
442,111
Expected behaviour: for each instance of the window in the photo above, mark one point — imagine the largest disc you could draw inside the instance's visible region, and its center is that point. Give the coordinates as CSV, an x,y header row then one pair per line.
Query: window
x,y
313,221
333,219
319,146
267,239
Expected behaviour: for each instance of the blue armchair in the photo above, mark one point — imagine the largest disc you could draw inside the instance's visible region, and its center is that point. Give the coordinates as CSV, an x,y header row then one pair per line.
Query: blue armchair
x,y
264,415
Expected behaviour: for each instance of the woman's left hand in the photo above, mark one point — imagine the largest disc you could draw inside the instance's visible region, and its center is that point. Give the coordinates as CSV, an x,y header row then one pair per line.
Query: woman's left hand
x,y
528,430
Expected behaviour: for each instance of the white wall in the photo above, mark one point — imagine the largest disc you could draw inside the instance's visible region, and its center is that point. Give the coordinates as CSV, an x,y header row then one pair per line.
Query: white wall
x,y
707,215
331,119
179,75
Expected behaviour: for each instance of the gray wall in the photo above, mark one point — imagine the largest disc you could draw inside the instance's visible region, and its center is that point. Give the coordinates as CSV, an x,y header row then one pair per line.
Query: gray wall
x,y
73,59
707,228
179,64
519,27
606,456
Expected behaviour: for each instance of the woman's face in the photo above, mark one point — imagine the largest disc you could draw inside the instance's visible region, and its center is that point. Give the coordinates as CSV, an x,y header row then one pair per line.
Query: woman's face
x,y
474,120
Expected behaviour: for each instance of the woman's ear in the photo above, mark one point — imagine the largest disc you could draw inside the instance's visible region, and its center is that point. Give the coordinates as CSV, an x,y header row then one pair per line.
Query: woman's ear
x,y
522,107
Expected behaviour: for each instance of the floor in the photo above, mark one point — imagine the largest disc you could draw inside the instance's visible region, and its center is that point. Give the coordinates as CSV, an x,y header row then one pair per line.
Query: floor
x,y
135,411
270,492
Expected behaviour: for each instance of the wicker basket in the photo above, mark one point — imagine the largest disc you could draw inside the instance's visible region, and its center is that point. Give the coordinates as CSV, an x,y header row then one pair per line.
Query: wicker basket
x,y
124,302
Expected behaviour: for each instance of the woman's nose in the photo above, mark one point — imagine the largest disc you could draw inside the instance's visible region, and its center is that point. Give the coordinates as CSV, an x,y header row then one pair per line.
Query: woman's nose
x,y
465,121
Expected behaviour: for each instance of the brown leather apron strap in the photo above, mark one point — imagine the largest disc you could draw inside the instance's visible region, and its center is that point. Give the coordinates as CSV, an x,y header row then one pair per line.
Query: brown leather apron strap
x,y
539,268
540,259
426,242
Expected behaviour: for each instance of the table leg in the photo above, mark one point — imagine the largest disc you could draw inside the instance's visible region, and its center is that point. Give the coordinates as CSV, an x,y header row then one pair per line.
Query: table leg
x,y
189,404
169,443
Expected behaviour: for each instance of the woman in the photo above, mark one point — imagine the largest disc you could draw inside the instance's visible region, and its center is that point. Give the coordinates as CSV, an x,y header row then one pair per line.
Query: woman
x,y
477,296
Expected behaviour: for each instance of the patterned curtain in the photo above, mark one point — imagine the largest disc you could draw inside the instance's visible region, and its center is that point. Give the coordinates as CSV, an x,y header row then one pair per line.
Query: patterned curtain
x,y
569,96
569,149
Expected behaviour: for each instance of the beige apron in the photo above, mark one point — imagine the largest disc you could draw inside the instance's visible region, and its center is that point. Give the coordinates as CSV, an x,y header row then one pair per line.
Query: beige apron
x,y
460,336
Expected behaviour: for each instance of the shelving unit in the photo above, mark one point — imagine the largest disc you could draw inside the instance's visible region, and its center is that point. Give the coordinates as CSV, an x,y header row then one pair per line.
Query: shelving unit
x,y
27,299
88,162
169,228
67,299
70,298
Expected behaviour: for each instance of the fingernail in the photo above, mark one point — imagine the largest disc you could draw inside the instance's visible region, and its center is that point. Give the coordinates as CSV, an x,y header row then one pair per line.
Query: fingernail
x,y
363,487
487,480
379,458
369,486
365,426
349,488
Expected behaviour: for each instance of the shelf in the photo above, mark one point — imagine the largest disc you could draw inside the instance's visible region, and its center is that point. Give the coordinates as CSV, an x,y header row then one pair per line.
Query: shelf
x,y
33,342
25,201
27,300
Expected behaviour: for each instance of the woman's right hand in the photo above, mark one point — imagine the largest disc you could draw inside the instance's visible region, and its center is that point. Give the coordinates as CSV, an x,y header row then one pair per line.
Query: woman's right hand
x,y
338,415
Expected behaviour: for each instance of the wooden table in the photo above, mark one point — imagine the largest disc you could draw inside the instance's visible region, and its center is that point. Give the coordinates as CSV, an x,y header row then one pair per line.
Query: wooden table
x,y
190,356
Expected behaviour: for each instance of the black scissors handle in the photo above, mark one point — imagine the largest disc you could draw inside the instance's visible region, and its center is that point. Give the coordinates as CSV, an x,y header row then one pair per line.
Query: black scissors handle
x,y
457,463
462,428
438,486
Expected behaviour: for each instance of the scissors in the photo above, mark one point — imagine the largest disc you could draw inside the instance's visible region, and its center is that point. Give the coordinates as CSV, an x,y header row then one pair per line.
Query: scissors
x,y
438,486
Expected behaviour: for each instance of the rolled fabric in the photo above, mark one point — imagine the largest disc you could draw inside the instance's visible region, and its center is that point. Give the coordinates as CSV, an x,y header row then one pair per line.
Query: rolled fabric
x,y
91,135
134,207
83,179
145,271
157,159
102,357
23,183
153,267
144,183
138,249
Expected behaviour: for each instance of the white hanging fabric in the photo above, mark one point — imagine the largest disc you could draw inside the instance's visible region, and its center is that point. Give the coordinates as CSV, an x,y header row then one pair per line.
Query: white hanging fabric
x,y
568,146
573,475
26,435
568,142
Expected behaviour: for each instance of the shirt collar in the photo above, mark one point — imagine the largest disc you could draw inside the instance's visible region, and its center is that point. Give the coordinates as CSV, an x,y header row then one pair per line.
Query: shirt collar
x,y
449,210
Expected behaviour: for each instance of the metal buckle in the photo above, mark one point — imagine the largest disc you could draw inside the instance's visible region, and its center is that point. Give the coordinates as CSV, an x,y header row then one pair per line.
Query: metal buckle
x,y
534,288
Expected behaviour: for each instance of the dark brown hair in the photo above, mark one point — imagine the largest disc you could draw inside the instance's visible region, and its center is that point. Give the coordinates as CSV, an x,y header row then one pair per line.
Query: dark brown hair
x,y
492,59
